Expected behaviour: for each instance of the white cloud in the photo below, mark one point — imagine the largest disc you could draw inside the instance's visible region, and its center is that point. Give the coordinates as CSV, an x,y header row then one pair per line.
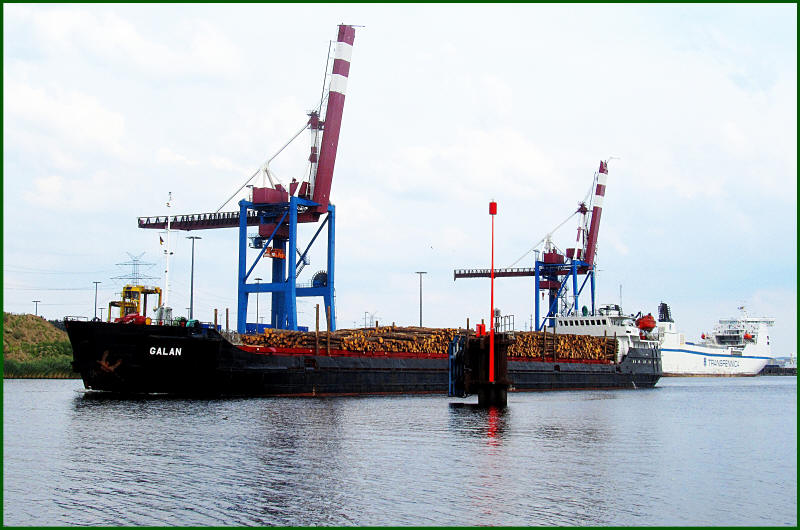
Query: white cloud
x,y
59,118
97,192
167,156
610,238
469,162
78,32
225,164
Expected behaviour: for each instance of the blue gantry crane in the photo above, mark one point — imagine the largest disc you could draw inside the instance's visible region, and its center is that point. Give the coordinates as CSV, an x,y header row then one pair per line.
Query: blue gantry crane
x,y
555,272
278,209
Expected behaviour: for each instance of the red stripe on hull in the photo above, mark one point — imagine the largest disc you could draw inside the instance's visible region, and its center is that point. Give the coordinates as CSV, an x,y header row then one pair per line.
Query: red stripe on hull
x,y
352,394
269,350
557,361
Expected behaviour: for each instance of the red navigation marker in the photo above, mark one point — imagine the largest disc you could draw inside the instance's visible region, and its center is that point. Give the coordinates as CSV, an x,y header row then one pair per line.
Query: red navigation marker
x,y
492,212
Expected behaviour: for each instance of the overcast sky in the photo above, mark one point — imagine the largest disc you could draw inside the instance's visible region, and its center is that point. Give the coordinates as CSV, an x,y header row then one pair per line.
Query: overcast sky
x,y
109,108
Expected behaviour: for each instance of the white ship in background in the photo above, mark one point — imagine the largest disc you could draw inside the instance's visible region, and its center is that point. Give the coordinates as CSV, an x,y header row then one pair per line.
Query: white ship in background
x,y
736,347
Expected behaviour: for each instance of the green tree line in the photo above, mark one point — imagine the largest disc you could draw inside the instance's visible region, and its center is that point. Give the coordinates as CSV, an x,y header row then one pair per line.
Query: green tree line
x,y
40,359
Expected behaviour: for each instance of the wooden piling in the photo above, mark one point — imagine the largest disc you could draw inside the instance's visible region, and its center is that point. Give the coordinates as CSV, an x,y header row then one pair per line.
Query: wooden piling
x,y
328,317
555,342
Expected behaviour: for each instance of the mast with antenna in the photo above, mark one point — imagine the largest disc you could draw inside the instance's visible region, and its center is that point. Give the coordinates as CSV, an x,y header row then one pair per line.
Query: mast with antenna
x,y
167,254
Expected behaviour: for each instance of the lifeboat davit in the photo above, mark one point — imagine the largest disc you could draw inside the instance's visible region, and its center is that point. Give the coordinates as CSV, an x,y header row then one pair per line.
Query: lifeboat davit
x,y
646,323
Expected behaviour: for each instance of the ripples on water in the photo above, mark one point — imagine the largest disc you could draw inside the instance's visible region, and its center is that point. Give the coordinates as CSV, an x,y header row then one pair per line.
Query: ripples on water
x,y
691,451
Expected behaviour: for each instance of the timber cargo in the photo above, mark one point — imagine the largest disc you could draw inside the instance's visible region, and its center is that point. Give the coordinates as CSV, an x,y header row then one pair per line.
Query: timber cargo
x,y
130,358
539,345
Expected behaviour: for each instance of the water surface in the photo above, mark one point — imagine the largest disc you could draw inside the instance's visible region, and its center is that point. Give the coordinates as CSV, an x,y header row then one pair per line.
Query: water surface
x,y
692,451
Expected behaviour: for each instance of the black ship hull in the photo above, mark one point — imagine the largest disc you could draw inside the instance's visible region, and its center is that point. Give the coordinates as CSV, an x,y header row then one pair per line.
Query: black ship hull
x,y
147,359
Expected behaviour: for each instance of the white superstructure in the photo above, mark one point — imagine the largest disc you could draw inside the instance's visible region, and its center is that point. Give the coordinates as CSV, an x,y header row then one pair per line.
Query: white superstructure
x,y
612,323
736,347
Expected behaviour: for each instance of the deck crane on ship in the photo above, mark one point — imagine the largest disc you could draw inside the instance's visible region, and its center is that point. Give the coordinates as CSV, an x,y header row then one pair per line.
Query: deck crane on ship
x,y
277,210
553,273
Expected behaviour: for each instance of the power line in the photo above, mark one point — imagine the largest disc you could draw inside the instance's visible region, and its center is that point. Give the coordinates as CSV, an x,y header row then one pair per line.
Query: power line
x,y
135,276
26,270
49,289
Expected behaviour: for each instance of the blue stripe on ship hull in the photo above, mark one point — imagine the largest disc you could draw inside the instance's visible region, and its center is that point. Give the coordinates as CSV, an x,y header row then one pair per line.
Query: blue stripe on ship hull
x,y
715,354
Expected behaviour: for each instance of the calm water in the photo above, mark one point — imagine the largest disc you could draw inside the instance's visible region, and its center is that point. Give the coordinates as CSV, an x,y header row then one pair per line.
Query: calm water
x,y
693,451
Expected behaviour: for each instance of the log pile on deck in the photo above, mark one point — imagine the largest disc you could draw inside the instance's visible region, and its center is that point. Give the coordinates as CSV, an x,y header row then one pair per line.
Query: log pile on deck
x,y
377,339
544,345
531,344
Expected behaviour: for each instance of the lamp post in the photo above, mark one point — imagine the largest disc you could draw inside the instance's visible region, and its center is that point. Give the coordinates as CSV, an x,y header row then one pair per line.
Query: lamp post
x,y
101,311
258,280
191,285
420,295
95,299
36,307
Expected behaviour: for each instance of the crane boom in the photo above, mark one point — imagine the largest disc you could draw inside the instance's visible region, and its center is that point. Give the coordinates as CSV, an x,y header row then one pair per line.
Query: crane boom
x,y
597,210
333,117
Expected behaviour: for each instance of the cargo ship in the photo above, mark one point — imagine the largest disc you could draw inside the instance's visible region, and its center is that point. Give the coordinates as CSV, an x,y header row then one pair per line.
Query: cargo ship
x,y
138,358
137,354
738,346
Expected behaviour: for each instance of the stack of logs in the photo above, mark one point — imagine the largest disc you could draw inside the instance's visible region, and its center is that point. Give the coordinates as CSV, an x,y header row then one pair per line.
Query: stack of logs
x,y
533,344
377,339
540,344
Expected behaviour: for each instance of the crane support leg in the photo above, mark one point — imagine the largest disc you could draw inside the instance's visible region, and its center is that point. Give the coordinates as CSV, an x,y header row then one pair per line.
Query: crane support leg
x,y
536,295
329,295
278,314
241,299
290,299
574,272
282,286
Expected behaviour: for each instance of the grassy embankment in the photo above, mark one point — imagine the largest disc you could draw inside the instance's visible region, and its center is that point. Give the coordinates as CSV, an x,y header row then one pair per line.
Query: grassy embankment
x,y
35,348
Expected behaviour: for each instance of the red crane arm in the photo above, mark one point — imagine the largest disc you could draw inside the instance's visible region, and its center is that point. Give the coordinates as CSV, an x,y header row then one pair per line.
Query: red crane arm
x,y
333,117
597,210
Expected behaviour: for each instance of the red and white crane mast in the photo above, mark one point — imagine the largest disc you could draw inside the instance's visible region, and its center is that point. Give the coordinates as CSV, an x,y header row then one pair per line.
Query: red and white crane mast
x,y
321,185
277,210
553,273
597,210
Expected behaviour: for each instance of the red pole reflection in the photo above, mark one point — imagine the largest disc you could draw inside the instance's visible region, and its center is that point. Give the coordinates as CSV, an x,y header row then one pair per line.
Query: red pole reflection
x,y
491,433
